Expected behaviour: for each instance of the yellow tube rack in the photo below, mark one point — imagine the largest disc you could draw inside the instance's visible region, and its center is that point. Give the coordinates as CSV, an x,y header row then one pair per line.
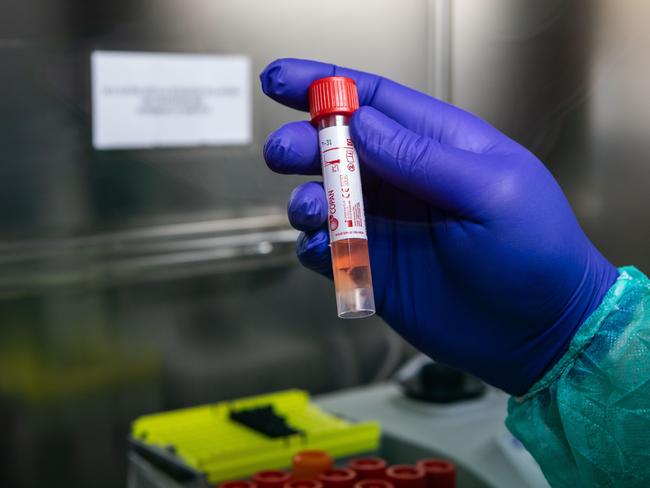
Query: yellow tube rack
x,y
207,440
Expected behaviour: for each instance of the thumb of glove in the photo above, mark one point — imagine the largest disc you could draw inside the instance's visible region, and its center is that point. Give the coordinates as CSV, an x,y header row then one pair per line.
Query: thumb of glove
x,y
451,179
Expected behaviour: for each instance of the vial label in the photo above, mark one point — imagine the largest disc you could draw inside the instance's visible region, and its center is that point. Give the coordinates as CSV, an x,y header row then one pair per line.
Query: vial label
x,y
342,181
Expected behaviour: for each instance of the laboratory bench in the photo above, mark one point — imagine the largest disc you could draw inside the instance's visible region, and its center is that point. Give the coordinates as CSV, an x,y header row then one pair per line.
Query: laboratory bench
x,y
470,433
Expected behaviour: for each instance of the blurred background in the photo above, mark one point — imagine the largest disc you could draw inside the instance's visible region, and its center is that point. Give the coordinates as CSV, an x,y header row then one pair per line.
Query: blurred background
x,y
144,279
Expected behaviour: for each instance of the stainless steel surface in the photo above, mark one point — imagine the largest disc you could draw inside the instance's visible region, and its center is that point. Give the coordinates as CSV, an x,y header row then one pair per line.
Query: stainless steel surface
x,y
568,79
469,433
134,281
395,449
98,328
147,254
53,183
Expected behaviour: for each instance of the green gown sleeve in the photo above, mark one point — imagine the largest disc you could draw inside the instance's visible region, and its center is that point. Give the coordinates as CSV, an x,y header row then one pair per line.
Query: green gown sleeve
x,y
587,421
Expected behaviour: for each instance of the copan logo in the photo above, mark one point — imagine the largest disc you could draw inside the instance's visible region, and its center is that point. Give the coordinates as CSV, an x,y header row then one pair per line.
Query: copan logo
x,y
331,201
334,223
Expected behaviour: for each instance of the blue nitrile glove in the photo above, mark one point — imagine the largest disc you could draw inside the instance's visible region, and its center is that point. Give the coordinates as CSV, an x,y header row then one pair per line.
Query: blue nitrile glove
x,y
477,258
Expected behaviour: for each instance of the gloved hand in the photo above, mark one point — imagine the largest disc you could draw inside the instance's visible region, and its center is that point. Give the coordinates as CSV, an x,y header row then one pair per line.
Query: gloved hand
x,y
477,258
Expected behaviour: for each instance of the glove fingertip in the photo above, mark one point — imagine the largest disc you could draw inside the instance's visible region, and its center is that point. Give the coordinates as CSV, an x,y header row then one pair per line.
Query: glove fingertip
x,y
286,80
293,149
313,252
267,75
275,154
273,83
307,208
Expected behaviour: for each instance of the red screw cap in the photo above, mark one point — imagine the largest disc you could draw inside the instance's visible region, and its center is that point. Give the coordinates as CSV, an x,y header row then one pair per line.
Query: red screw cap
x,y
338,478
307,465
370,483
369,467
439,473
406,476
332,95
271,479
303,484
238,484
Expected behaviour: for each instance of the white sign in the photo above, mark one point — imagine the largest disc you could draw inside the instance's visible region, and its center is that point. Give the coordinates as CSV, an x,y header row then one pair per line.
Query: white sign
x,y
143,100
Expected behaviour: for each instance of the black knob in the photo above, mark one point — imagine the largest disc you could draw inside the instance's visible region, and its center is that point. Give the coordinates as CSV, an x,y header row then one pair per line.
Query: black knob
x,y
437,383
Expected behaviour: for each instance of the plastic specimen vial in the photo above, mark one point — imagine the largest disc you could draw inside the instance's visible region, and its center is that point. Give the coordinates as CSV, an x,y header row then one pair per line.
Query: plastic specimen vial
x,y
369,467
406,476
308,464
238,484
338,478
439,473
332,101
271,479
374,483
